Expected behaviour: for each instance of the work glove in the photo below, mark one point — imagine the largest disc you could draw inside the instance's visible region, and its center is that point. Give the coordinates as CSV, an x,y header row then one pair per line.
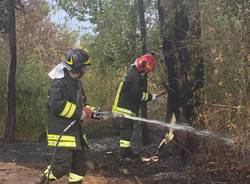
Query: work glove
x,y
86,113
154,96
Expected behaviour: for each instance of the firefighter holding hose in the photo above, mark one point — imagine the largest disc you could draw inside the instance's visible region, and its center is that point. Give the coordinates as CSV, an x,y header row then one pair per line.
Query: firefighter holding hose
x,y
67,103
128,98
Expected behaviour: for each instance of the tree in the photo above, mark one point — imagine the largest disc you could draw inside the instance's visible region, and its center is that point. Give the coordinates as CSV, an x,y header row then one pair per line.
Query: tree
x,y
40,39
11,88
180,29
145,137
115,23
168,34
182,53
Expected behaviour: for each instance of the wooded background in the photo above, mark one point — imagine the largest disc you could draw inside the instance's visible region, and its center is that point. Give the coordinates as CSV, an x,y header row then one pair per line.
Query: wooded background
x,y
202,48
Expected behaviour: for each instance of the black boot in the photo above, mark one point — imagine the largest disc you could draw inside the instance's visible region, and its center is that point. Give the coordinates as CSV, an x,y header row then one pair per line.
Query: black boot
x,y
127,155
77,182
42,180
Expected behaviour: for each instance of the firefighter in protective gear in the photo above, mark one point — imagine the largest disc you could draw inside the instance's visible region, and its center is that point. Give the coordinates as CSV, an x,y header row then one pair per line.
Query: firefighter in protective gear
x,y
129,95
66,103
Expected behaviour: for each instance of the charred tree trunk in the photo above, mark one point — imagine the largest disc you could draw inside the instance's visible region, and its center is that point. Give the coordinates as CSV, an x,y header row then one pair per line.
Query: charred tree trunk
x,y
168,32
180,29
144,127
192,81
11,81
133,21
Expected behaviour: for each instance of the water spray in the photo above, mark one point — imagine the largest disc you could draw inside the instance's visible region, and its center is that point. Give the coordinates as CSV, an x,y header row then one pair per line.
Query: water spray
x,y
184,127
170,135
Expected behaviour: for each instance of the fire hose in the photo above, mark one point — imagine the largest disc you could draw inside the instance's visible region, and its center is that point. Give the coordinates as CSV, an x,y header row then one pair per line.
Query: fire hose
x,y
55,149
97,114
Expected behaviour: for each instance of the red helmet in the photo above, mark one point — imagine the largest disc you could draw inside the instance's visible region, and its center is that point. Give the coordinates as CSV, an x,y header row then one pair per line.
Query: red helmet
x,y
146,63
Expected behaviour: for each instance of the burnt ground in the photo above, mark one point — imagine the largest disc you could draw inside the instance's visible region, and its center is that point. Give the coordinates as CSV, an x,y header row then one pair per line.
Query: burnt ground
x,y
21,163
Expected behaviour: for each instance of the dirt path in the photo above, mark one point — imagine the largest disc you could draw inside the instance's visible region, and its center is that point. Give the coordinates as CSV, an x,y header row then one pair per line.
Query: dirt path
x,y
21,163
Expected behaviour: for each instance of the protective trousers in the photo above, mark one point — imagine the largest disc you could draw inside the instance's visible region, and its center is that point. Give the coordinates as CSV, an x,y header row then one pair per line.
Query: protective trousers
x,y
68,161
126,132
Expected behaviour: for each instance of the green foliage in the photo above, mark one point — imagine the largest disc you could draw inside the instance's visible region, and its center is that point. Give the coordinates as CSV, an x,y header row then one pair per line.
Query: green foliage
x,y
45,9
100,85
225,62
116,38
31,93
3,58
3,16
227,74
32,85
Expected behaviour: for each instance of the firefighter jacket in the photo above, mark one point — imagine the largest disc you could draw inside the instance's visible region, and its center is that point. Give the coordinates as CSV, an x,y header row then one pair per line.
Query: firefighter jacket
x,y
130,94
66,99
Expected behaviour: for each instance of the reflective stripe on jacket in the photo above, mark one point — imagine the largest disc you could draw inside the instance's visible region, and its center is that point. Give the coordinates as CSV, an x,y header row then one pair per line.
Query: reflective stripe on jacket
x,y
66,98
130,94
